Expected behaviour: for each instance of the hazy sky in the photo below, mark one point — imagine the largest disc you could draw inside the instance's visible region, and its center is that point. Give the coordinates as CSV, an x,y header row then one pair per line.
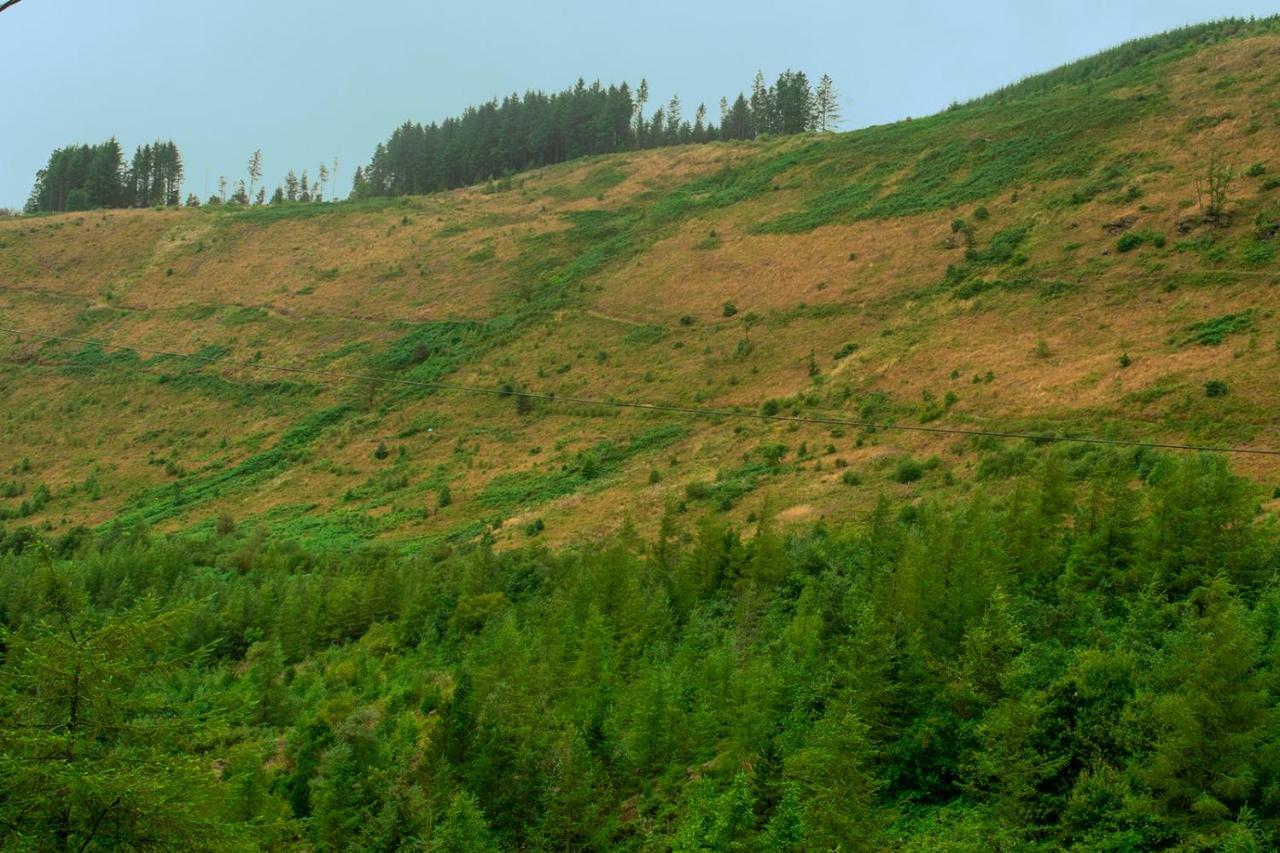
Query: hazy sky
x,y
310,81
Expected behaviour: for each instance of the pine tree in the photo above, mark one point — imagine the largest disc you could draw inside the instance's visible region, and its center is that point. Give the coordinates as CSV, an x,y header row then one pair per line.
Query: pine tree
x,y
674,120
657,127
642,98
104,181
140,176
464,828
826,105
95,750
255,170
762,106
575,788
739,125
1210,715
834,786
175,175
793,102
1200,526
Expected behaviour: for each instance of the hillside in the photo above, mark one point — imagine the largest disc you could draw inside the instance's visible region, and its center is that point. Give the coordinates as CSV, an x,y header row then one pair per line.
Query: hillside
x,y
1037,261
703,498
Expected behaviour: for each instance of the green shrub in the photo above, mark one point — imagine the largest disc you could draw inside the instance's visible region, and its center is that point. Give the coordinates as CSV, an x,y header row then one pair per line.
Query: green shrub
x,y
1134,239
729,309
1259,253
1005,463
697,490
711,241
846,351
1215,388
907,471
1128,242
772,454
1267,223
1003,248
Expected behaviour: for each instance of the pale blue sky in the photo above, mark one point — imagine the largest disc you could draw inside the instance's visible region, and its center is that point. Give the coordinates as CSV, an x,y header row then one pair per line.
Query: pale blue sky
x,y
310,81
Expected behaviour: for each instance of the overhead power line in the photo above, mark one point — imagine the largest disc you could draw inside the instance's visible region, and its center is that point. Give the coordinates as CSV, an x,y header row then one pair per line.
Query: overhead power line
x,y
630,404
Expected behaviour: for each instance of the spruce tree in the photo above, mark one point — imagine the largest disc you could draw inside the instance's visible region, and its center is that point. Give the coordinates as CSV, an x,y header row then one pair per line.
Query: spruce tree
x,y
826,104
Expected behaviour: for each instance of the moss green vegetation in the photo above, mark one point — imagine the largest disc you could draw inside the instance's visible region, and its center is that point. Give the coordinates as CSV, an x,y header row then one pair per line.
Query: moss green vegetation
x,y
1078,665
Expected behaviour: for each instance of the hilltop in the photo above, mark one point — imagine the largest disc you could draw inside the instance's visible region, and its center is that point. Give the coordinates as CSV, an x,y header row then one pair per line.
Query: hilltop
x,y
1043,260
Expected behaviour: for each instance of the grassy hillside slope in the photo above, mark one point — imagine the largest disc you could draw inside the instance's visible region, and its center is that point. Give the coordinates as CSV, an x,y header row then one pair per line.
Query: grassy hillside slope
x,y
1038,260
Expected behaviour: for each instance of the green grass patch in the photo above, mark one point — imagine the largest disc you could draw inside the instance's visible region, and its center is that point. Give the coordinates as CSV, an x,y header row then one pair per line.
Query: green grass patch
x,y
602,178
243,314
162,502
645,335
1214,331
509,492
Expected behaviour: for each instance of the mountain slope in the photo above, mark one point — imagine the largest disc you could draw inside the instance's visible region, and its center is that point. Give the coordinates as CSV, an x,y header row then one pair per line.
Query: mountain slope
x,y
1039,260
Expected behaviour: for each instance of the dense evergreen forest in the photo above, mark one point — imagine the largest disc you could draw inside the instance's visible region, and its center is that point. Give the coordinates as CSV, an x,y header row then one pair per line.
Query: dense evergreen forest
x,y
85,177
497,139
1077,663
